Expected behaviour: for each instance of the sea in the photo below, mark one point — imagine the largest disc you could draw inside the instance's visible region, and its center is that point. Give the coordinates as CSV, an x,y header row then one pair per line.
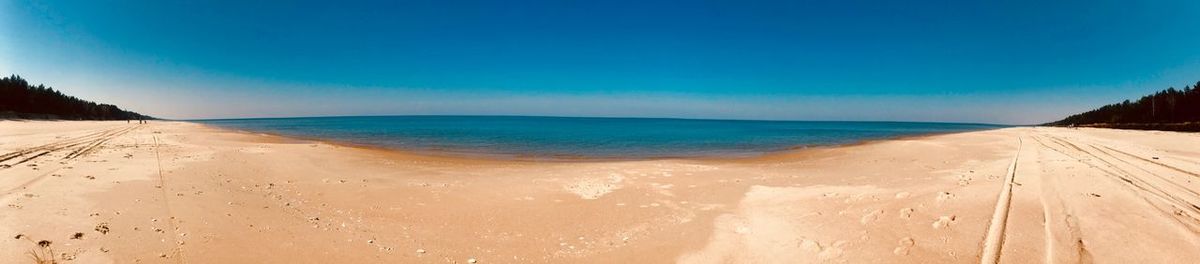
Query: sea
x,y
586,137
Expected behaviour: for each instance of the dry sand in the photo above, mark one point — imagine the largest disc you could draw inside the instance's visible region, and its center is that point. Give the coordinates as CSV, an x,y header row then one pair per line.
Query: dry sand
x,y
176,192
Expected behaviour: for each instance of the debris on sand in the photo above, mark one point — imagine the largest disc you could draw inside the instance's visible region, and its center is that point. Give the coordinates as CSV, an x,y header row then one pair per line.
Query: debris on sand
x,y
102,228
44,243
77,235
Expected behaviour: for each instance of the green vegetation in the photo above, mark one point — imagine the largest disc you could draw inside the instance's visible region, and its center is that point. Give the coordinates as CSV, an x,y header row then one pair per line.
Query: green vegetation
x,y
1169,109
20,100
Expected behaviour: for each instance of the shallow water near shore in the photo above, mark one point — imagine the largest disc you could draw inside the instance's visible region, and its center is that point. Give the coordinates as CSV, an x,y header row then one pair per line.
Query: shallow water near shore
x,y
586,137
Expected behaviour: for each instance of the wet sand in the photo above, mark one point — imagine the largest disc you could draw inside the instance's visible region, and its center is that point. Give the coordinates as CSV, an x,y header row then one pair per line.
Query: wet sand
x,y
177,192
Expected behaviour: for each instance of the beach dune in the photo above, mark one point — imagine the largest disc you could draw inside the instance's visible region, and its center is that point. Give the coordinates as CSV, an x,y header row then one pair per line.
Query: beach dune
x,y
180,192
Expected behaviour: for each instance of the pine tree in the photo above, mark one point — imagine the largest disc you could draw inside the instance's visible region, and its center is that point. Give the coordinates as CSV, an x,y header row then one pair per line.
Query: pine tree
x,y
18,99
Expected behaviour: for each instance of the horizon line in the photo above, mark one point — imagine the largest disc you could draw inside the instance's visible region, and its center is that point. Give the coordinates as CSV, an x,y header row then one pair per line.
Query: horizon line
x,y
597,117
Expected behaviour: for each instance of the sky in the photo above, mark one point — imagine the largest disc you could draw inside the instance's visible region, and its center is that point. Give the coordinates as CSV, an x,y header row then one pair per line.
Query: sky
x,y
1006,62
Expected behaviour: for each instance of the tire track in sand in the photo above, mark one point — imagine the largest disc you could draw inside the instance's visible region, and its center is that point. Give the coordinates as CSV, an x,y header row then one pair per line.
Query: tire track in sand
x,y
90,141
1180,209
89,148
52,146
1193,174
171,220
1069,223
994,239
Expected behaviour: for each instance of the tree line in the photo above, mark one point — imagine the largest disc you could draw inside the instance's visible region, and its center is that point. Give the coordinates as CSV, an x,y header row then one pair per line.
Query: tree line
x,y
21,100
1170,106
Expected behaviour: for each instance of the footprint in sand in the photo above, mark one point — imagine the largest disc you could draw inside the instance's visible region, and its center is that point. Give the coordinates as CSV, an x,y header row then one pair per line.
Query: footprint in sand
x,y
905,245
944,221
871,217
964,180
810,245
834,251
906,213
829,195
944,197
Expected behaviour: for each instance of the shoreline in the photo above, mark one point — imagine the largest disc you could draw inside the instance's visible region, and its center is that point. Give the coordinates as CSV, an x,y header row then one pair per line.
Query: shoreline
x,y
482,155
169,192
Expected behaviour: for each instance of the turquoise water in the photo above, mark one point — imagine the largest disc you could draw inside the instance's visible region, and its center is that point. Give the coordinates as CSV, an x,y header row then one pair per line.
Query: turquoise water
x,y
562,137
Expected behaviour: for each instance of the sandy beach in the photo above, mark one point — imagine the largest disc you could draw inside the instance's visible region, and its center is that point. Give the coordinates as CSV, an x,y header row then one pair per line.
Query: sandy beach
x,y
179,192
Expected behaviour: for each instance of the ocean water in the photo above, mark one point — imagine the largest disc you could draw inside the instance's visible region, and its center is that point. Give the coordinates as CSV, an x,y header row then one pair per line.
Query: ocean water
x,y
574,137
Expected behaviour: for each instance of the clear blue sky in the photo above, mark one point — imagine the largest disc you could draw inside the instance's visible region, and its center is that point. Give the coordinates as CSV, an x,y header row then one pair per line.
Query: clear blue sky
x,y
1011,62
